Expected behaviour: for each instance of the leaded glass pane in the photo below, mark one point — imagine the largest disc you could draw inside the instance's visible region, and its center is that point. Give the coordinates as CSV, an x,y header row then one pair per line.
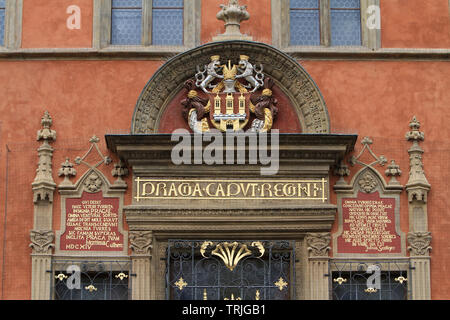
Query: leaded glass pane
x,y
2,4
126,25
127,4
167,3
350,4
167,27
345,27
305,27
305,4
2,26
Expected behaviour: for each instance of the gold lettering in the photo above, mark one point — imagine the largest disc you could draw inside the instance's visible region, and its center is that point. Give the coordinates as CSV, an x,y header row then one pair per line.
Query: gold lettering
x,y
220,190
207,189
229,187
185,189
172,190
269,190
144,189
278,190
161,185
289,190
197,190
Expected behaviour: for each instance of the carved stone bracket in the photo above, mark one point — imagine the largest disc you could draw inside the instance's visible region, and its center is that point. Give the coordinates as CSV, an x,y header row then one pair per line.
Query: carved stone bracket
x,y
42,241
141,242
342,171
419,243
318,244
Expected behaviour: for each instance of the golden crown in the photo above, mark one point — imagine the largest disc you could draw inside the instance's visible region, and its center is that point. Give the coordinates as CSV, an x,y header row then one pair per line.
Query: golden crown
x,y
215,58
244,57
267,92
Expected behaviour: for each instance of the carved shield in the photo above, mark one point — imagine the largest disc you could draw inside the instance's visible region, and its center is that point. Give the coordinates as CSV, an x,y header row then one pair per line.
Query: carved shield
x,y
230,111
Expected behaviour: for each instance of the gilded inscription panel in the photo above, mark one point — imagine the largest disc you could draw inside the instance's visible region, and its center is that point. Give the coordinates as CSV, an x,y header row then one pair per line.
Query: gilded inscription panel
x,y
246,189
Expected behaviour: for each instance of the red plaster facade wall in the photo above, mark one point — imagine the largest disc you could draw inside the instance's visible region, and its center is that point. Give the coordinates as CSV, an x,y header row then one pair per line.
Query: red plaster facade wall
x,y
44,24
369,98
415,24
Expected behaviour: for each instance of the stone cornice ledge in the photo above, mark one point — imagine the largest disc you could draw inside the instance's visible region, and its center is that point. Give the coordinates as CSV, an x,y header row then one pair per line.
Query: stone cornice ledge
x,y
166,52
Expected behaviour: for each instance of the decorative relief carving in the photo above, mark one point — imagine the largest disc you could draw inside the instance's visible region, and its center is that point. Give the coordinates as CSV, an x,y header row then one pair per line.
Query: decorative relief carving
x,y
367,182
318,244
419,243
92,183
42,241
141,242
287,74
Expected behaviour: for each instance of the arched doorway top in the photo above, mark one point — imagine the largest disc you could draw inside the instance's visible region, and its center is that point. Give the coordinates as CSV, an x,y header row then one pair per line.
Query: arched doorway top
x,y
287,73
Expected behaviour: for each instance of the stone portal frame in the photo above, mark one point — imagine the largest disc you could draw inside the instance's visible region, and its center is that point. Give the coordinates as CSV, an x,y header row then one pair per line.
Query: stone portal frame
x,y
385,191
76,191
287,73
102,26
371,38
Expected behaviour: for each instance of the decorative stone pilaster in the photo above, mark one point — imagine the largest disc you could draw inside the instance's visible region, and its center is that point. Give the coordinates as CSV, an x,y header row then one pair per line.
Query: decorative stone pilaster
x,y
318,246
42,236
419,238
232,14
141,244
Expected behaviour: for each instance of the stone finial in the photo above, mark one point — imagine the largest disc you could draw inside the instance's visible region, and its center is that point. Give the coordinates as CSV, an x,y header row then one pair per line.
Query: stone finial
x,y
67,170
393,171
46,133
232,14
342,171
119,171
417,186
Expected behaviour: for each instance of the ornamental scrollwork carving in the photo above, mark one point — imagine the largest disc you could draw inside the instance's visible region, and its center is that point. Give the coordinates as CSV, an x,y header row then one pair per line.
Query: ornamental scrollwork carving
x,y
419,243
141,242
42,241
318,244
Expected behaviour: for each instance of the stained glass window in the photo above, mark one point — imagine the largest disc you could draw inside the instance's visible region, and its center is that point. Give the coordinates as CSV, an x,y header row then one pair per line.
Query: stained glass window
x,y
2,21
126,22
167,28
305,22
345,22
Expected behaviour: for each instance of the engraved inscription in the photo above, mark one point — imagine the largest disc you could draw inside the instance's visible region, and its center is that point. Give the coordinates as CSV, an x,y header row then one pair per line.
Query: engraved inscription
x,y
92,224
369,225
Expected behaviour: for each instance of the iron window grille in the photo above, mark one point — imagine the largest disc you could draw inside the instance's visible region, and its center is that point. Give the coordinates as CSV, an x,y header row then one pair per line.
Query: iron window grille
x,y
230,270
370,280
98,280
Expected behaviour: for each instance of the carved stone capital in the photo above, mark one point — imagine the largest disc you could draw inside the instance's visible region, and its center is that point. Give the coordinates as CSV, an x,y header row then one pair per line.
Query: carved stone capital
x,y
141,242
318,244
42,241
419,243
